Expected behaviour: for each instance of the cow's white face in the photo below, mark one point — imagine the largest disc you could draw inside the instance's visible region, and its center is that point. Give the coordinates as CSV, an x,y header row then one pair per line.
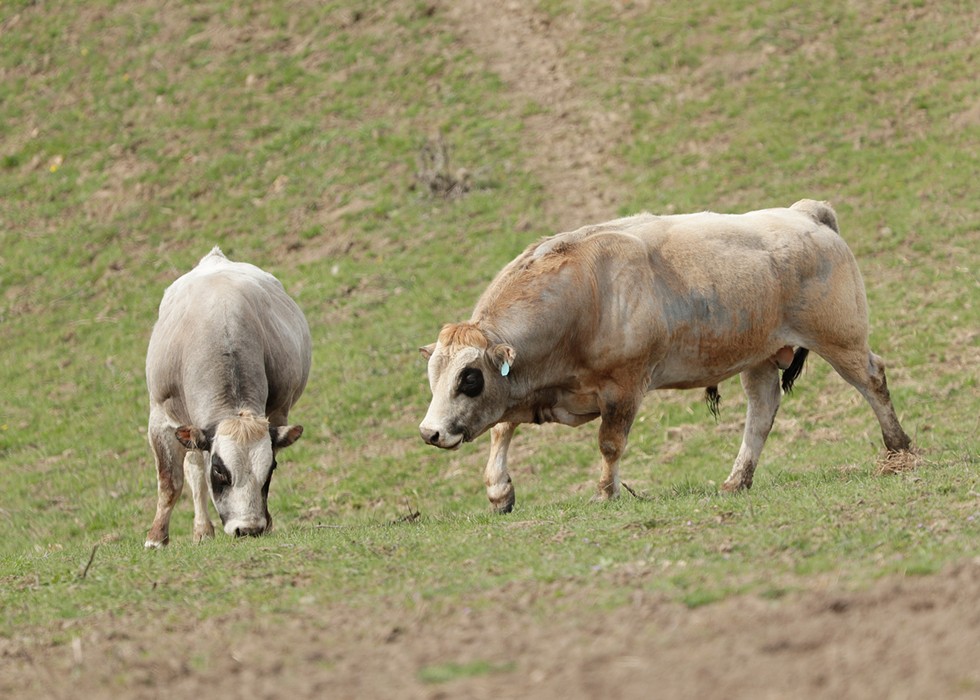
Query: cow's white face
x,y
469,392
239,477
240,468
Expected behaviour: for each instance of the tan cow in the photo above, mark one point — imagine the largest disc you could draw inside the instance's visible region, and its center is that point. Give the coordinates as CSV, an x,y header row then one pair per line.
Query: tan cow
x,y
582,324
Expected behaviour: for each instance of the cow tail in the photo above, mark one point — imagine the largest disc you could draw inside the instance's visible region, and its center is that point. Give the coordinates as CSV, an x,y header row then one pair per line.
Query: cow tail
x,y
794,369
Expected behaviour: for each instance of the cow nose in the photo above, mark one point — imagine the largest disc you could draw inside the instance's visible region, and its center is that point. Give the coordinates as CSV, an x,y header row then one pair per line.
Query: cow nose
x,y
431,437
249,531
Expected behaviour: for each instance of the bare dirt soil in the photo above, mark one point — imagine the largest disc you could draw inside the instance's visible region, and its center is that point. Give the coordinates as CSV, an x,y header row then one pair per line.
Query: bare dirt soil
x,y
902,638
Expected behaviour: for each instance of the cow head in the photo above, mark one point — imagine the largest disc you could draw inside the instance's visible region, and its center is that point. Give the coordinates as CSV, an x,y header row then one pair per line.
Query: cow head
x,y
469,376
242,458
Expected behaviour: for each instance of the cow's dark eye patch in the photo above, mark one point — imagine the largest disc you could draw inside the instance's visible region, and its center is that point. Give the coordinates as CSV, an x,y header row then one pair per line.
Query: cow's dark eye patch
x,y
471,382
220,476
268,482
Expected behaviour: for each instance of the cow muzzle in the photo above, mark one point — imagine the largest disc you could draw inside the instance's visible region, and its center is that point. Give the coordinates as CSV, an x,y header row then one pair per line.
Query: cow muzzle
x,y
239,527
249,531
440,439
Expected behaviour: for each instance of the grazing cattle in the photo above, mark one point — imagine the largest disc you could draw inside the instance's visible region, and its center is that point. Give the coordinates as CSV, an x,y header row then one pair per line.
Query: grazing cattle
x,y
228,357
582,324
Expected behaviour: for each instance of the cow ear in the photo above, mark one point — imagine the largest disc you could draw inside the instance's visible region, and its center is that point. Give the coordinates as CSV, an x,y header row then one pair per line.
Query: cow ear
x,y
503,357
427,350
193,438
285,435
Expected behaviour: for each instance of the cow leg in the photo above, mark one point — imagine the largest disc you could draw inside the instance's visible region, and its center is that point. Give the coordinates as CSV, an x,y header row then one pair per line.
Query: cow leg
x,y
616,420
170,482
761,384
196,469
500,490
865,371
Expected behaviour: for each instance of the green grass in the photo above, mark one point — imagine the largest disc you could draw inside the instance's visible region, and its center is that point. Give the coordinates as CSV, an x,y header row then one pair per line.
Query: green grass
x,y
443,673
137,138
685,541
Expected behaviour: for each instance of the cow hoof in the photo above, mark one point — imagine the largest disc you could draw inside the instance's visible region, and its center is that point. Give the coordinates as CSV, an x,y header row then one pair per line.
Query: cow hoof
x,y
154,544
203,532
736,486
505,505
607,491
603,496
502,498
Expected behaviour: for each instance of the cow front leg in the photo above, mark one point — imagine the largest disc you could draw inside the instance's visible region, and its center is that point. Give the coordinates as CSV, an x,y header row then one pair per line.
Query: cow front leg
x,y
500,490
196,469
170,482
617,418
761,384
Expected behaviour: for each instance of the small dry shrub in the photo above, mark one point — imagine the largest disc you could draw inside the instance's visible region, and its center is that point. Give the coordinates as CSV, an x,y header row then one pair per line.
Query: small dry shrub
x,y
435,174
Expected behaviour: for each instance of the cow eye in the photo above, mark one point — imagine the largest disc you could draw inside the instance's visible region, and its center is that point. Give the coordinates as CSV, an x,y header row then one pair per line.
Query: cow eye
x,y
220,476
471,382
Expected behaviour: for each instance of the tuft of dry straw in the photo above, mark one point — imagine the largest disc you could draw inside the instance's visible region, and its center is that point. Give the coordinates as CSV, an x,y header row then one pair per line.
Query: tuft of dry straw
x,y
435,176
898,462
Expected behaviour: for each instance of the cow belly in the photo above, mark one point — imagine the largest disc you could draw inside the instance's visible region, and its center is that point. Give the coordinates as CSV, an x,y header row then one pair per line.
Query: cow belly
x,y
700,383
695,369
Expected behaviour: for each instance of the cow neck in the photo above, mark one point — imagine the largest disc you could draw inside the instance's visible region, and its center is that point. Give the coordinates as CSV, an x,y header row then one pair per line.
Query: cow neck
x,y
226,387
523,349
541,372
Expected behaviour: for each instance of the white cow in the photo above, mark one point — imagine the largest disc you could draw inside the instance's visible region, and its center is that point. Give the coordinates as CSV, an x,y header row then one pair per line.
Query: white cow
x,y
228,358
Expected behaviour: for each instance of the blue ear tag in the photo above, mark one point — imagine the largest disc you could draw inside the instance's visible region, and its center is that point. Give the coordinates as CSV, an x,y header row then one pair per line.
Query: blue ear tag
x,y
505,369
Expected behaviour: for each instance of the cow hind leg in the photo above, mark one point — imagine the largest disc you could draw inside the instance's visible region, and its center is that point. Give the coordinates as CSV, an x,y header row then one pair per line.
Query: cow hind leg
x,y
170,482
761,384
500,490
195,467
865,371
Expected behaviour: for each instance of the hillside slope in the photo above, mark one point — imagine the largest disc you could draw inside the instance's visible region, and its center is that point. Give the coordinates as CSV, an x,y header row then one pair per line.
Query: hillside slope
x,y
316,141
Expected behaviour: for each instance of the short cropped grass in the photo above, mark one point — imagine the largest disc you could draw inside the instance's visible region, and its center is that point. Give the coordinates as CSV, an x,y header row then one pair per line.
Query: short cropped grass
x,y
136,137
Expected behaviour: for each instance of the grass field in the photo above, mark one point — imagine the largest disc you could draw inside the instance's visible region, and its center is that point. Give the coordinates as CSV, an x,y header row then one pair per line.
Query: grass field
x,y
136,135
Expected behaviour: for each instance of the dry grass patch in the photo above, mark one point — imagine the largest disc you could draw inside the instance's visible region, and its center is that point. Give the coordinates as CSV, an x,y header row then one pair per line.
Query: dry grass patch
x,y
898,462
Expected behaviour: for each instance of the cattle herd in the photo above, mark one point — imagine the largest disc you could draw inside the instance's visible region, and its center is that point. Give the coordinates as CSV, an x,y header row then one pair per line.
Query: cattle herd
x,y
579,326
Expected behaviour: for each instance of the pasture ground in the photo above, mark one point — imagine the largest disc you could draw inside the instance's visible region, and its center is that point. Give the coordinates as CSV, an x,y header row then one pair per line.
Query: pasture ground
x,y
301,137
902,638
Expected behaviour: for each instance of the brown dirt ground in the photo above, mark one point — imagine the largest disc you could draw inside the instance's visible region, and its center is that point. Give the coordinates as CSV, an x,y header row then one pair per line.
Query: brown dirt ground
x,y
902,638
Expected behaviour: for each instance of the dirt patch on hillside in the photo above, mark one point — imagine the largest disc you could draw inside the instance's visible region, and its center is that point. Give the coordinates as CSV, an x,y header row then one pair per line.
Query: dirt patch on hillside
x,y
904,638
569,140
